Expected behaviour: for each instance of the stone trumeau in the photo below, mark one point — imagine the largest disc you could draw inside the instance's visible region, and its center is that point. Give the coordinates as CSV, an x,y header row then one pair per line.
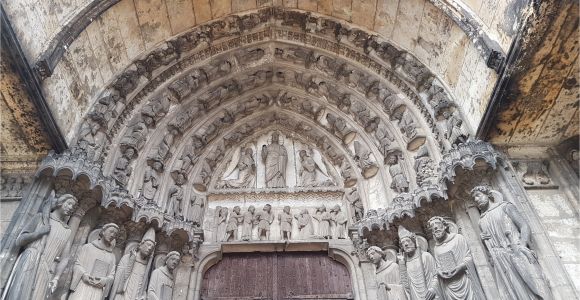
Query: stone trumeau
x,y
296,150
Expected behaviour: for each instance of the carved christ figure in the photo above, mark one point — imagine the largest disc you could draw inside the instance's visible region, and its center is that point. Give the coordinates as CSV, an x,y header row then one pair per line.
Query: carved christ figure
x,y
506,234
456,272
94,269
133,270
162,280
275,158
45,238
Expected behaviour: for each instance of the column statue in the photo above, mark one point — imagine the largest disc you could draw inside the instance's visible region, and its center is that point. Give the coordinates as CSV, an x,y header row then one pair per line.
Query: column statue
x,y
94,269
45,238
133,270
456,272
506,235
387,274
275,158
162,281
418,266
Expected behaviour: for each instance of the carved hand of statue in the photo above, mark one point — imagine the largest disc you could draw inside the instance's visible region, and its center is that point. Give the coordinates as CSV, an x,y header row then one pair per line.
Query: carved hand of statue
x,y
385,286
99,282
44,229
52,285
460,269
525,251
485,236
87,279
430,294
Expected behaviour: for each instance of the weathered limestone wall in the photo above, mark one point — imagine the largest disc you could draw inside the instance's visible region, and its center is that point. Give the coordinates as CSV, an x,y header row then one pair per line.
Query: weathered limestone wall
x,y
131,28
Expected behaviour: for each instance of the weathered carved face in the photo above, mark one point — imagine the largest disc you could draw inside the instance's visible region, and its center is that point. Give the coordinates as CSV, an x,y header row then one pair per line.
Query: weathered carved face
x,y
374,256
481,199
408,245
146,248
438,229
110,234
68,207
172,262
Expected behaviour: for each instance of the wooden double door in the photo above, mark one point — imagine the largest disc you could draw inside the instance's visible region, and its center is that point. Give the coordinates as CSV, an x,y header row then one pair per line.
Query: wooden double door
x,y
277,276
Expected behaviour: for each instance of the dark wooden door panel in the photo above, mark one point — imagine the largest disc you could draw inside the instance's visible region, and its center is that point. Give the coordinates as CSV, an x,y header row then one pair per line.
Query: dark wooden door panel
x,y
295,275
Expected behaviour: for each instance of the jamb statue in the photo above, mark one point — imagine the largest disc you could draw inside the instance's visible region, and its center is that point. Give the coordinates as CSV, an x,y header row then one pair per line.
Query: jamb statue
x,y
387,274
45,237
94,269
133,271
506,234
162,280
455,269
418,267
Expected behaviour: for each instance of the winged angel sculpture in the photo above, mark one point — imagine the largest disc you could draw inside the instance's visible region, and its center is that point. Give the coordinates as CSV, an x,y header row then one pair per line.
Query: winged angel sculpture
x,y
313,171
241,171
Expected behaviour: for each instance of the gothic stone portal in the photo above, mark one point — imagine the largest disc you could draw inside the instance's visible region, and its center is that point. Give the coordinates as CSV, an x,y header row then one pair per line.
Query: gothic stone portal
x,y
298,275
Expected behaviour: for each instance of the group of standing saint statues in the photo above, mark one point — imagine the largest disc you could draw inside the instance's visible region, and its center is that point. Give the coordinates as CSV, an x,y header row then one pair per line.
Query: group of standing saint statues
x,y
331,224
448,273
96,274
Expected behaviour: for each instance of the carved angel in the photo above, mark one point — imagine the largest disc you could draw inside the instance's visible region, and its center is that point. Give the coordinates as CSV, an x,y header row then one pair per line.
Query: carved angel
x,y
310,165
241,171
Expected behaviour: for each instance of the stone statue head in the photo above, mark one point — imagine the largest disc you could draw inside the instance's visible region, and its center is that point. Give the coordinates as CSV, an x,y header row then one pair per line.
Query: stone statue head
x,y
172,260
481,195
376,254
66,203
147,244
304,212
287,209
251,209
407,240
336,208
267,208
322,208
237,209
439,227
302,154
275,137
129,153
109,233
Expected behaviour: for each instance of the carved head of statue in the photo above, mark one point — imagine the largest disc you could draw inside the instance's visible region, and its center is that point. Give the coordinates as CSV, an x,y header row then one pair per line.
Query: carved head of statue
x,y
66,204
172,260
275,137
336,208
267,208
376,254
481,195
304,212
287,209
147,243
109,233
237,209
251,209
129,153
302,154
407,240
438,227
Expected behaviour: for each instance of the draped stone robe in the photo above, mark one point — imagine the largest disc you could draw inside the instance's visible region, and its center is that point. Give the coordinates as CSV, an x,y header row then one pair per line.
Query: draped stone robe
x,y
160,285
388,273
276,158
26,284
464,286
420,271
130,277
96,262
514,272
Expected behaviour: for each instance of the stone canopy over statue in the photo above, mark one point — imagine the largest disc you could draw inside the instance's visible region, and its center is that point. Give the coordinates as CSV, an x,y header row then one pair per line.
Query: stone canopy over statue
x,y
275,159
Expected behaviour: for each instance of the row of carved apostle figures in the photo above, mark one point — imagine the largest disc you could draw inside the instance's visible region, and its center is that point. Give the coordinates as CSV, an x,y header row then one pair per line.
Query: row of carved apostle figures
x,y
448,271
45,254
323,224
